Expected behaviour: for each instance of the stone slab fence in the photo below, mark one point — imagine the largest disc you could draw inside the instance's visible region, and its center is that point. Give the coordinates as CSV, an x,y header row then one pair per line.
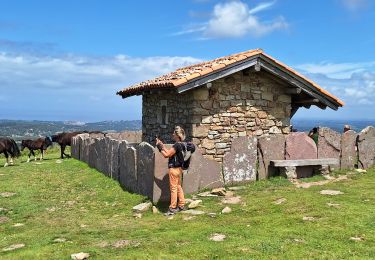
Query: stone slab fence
x,y
140,168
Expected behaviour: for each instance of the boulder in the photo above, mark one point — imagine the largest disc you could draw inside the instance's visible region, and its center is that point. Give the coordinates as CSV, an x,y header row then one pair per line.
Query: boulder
x,y
329,144
366,147
145,169
240,163
270,147
348,157
128,169
202,174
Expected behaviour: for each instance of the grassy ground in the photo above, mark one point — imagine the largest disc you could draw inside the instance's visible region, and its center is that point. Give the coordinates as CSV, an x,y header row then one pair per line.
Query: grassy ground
x,y
69,200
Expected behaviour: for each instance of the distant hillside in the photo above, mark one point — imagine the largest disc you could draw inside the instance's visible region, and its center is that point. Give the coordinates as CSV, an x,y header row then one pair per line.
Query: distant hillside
x,y
19,129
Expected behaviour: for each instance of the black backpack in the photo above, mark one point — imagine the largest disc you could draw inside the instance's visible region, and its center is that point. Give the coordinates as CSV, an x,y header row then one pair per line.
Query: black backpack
x,y
187,151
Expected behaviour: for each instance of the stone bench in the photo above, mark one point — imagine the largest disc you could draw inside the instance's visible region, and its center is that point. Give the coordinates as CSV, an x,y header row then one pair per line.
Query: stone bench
x,y
289,167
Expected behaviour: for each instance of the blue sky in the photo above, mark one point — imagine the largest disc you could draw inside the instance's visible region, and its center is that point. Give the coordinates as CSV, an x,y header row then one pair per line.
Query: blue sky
x,y
64,60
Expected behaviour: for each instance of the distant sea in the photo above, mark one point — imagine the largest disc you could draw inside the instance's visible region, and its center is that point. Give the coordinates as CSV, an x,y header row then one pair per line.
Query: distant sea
x,y
305,125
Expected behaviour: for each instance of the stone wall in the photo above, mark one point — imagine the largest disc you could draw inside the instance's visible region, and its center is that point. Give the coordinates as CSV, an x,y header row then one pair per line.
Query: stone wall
x,y
140,168
242,104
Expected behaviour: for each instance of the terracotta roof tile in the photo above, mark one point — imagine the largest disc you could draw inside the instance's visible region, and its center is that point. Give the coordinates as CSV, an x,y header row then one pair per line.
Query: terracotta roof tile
x,y
184,75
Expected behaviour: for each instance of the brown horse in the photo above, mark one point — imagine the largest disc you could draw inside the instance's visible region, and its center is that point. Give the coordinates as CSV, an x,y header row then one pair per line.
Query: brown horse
x,y
65,139
9,147
37,144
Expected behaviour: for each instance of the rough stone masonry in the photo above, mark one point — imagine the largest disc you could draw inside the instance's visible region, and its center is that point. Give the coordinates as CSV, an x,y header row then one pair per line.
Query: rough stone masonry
x,y
242,104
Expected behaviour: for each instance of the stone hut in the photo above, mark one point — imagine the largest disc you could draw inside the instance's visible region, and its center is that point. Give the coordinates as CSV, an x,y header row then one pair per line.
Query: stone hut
x,y
244,94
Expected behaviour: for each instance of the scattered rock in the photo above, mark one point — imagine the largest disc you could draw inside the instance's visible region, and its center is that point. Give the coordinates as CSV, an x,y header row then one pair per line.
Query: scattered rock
x,y
121,243
297,240
207,194
18,225
229,194
3,220
334,205
212,215
194,204
170,217
279,201
357,238
188,201
59,161
59,240
331,192
4,210
143,207
80,256
13,247
232,200
7,194
217,237
155,210
328,177
51,209
193,212
83,225
236,188
103,244
360,170
226,210
218,191
137,215
308,218
188,218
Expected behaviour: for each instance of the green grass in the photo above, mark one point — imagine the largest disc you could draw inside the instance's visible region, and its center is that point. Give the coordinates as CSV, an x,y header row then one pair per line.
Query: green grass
x,y
90,209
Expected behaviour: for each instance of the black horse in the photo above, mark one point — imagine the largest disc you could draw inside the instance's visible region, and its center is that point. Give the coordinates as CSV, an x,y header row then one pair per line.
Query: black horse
x,y
37,144
9,147
65,139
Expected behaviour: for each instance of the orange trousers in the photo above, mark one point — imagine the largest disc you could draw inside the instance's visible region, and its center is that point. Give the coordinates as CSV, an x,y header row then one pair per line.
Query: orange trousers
x,y
177,193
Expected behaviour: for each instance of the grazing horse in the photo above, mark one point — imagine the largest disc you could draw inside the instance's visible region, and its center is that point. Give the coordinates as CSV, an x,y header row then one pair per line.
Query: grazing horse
x,y
37,144
65,139
9,147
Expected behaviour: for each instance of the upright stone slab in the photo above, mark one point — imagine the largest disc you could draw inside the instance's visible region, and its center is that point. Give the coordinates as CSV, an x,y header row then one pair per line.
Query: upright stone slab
x,y
161,178
366,147
299,146
114,160
202,174
84,148
93,153
348,157
107,157
329,144
145,169
241,162
75,147
128,169
270,147
100,146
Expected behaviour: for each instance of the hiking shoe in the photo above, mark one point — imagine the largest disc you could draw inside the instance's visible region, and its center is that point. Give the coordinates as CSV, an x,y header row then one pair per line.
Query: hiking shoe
x,y
171,212
183,208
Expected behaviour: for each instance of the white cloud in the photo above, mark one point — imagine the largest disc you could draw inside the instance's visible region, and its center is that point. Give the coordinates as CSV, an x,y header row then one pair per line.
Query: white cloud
x,y
355,5
235,19
352,82
75,87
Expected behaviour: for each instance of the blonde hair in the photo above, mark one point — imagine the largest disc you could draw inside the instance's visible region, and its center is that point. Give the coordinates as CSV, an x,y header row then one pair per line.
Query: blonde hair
x,y
180,132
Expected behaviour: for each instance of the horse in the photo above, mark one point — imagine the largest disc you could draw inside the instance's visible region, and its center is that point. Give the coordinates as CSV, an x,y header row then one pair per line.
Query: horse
x,y
37,144
65,139
9,147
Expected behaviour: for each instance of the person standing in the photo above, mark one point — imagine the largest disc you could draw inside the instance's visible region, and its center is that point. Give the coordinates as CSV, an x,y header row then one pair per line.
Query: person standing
x,y
175,162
